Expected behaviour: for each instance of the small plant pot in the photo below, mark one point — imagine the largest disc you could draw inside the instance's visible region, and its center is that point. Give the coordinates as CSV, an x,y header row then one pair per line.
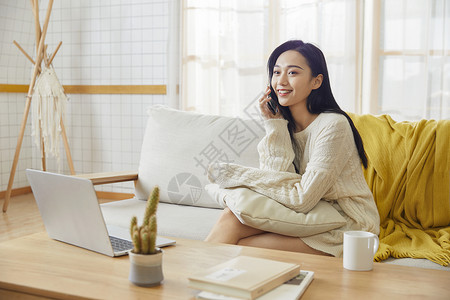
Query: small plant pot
x,y
146,269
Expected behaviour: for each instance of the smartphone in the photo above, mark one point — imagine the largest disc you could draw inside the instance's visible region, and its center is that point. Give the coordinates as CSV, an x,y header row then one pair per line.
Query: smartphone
x,y
272,104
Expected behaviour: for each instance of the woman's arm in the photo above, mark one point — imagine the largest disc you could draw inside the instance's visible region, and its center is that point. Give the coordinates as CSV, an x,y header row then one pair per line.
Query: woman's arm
x,y
275,149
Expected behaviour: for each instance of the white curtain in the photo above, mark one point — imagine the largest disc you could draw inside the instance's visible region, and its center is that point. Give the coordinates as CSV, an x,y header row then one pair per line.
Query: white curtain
x,y
226,44
415,59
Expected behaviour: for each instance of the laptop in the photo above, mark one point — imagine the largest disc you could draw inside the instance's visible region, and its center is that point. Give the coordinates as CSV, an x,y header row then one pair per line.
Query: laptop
x,y
71,213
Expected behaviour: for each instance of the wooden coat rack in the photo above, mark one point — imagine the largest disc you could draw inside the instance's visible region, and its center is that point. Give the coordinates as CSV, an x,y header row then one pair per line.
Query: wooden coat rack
x,y
41,55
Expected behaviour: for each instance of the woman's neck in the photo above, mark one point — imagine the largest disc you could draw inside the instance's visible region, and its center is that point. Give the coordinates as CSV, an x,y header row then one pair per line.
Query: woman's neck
x,y
302,117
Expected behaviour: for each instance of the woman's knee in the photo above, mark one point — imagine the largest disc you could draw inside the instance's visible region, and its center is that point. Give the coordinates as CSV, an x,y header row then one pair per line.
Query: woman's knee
x,y
226,230
235,230
228,218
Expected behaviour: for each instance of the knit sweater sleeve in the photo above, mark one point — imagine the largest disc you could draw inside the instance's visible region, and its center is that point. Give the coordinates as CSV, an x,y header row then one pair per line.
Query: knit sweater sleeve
x,y
275,149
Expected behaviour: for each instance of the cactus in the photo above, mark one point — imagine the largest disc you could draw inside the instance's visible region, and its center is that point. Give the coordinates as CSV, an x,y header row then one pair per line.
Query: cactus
x,y
144,237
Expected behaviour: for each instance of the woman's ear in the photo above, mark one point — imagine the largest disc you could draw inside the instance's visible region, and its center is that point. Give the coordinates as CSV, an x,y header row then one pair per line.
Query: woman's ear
x,y
317,81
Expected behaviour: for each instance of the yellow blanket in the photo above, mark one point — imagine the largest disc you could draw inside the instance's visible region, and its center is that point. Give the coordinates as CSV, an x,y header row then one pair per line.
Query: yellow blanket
x,y
409,175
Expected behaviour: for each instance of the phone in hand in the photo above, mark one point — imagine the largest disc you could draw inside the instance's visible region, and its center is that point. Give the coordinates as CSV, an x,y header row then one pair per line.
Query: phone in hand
x,y
272,106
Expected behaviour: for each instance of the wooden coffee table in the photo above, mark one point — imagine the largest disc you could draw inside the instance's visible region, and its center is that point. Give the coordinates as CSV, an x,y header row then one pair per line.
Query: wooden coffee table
x,y
36,267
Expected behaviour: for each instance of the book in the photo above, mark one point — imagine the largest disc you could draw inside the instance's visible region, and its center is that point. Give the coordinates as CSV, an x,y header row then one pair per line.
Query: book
x,y
292,289
244,277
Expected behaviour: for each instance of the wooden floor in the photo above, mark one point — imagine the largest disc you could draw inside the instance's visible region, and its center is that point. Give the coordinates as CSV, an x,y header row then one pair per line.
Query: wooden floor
x,y
22,217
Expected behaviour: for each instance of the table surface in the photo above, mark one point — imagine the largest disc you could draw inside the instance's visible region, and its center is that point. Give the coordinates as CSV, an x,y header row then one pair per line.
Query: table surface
x,y
36,265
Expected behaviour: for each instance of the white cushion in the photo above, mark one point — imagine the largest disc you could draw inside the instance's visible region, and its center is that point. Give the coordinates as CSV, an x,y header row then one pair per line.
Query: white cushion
x,y
259,211
173,220
178,146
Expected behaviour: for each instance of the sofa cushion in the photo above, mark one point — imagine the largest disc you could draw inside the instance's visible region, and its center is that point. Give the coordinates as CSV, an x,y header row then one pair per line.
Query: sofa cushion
x,y
173,220
178,147
259,211
415,262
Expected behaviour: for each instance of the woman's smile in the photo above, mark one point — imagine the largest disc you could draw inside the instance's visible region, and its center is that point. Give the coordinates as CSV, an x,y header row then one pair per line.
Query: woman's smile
x,y
283,92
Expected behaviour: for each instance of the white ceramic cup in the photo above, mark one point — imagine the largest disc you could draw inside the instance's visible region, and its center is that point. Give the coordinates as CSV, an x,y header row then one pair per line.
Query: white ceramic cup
x,y
359,249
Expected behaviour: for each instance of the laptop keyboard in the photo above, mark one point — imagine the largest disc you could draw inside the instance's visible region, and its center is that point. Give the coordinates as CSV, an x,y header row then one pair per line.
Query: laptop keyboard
x,y
120,244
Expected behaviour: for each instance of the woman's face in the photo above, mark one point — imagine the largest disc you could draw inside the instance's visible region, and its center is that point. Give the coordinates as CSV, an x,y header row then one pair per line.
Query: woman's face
x,y
292,79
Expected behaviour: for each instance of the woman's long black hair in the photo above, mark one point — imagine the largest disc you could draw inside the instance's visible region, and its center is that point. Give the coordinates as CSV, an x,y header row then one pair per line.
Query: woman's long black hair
x,y
320,100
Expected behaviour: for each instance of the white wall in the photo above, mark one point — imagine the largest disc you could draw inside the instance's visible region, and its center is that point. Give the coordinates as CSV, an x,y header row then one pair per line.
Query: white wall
x,y
104,43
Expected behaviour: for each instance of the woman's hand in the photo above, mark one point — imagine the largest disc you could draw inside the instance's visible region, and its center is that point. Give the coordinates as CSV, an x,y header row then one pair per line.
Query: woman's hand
x,y
263,106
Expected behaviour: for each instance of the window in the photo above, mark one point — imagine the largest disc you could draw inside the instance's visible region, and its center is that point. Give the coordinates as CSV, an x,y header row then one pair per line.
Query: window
x,y
409,70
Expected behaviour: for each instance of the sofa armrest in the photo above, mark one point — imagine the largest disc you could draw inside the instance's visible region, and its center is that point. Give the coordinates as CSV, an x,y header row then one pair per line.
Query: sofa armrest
x,y
110,177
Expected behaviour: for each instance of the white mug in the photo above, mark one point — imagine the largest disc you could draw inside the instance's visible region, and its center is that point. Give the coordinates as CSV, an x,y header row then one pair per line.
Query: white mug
x,y
359,249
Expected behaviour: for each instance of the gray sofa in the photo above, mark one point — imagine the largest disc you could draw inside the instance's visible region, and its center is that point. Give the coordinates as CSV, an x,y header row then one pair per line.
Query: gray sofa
x,y
177,148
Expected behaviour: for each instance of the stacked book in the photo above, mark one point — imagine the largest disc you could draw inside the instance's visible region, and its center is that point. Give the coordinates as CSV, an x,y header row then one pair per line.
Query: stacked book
x,y
247,277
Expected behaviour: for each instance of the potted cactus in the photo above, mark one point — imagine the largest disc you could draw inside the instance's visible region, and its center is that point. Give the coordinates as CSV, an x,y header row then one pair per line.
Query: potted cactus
x,y
145,258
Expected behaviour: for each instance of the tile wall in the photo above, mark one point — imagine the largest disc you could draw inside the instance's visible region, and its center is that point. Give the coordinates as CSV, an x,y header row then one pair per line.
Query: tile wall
x,y
16,23
104,43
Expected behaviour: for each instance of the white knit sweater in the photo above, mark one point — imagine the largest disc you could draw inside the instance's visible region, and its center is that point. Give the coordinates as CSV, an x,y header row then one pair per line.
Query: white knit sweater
x,y
329,167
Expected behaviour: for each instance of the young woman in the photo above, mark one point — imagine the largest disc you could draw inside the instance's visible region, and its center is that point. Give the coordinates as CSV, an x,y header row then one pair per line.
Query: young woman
x,y
311,151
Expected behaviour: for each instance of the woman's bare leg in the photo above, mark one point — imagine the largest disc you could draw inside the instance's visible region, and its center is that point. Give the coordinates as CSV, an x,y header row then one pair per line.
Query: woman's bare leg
x,y
279,242
228,229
